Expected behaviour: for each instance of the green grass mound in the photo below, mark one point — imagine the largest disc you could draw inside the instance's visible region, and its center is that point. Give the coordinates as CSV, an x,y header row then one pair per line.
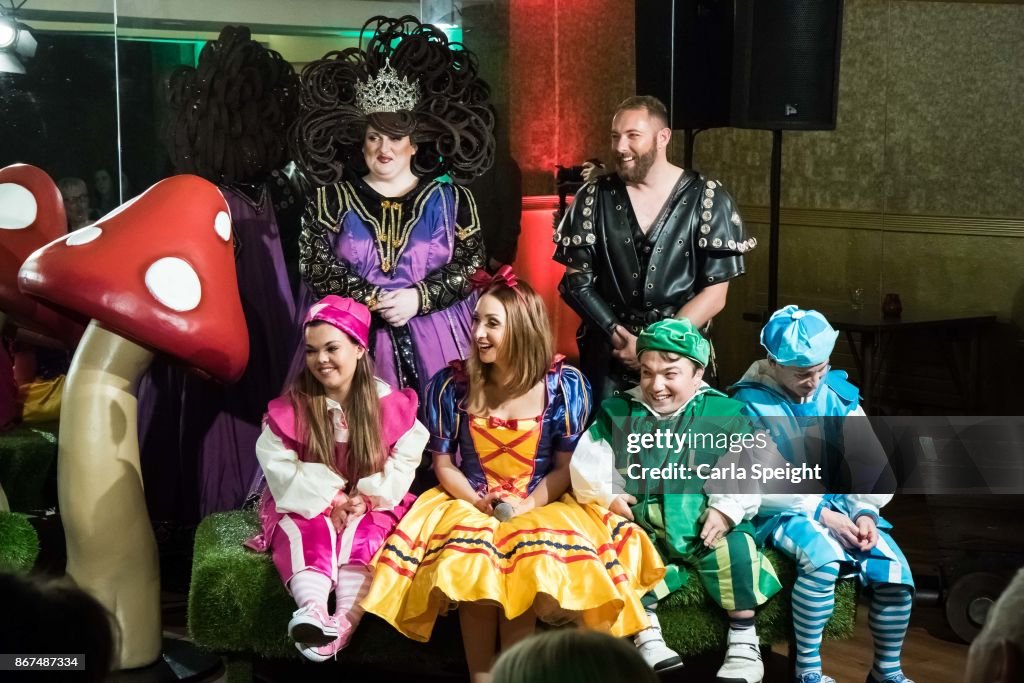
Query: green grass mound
x,y
692,623
19,544
28,466
237,604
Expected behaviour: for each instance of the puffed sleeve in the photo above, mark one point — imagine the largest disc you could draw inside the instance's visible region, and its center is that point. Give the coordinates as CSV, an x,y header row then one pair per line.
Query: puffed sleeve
x,y
450,283
576,409
574,237
320,268
387,488
721,243
595,478
304,488
440,413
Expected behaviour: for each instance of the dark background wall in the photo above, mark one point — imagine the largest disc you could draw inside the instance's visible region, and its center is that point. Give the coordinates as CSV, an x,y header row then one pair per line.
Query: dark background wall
x,y
919,190
62,114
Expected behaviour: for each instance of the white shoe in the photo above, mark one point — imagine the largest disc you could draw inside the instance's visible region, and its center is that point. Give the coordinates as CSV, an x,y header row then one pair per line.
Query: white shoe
x,y
742,659
330,650
311,625
653,649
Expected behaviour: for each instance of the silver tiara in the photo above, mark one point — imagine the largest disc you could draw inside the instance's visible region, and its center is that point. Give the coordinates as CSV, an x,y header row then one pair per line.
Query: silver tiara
x,y
386,92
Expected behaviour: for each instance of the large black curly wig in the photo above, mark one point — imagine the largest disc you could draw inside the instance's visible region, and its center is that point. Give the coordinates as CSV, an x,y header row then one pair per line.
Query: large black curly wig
x,y
231,114
452,124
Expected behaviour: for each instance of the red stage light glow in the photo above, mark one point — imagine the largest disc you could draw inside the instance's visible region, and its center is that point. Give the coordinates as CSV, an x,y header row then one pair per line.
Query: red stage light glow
x,y
533,264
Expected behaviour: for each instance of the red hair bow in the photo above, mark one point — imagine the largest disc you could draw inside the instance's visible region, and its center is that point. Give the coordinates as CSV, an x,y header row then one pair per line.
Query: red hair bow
x,y
482,280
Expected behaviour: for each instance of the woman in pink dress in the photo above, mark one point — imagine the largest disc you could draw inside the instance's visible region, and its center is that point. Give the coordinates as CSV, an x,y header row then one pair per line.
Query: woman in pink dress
x,y
339,452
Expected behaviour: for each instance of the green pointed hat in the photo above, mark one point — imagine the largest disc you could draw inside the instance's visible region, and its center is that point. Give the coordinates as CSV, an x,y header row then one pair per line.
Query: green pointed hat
x,y
675,336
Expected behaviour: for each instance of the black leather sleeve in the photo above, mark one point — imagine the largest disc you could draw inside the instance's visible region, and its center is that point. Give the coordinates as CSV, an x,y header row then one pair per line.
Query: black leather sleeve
x,y
575,247
575,236
579,292
722,242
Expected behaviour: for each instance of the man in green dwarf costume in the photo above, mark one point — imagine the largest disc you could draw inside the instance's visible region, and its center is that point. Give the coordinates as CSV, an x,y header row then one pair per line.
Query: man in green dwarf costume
x,y
696,531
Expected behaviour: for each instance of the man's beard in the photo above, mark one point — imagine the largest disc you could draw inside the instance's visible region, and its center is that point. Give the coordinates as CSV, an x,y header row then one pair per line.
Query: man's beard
x,y
642,164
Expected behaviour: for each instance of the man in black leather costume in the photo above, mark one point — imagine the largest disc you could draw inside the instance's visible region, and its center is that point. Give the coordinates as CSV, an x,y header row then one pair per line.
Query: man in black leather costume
x,y
649,241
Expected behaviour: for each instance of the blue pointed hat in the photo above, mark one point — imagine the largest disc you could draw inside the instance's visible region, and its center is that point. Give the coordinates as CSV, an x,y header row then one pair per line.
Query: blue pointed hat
x,y
798,338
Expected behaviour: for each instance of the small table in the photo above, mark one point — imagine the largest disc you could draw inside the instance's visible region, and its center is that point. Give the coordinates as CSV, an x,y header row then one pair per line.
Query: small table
x,y
869,334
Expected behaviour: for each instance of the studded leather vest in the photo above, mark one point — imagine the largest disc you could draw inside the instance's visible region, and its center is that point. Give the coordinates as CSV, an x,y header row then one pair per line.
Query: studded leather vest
x,y
696,241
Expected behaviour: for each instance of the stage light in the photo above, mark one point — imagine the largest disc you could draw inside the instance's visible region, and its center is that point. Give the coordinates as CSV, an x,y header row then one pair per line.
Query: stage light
x,y
16,42
8,33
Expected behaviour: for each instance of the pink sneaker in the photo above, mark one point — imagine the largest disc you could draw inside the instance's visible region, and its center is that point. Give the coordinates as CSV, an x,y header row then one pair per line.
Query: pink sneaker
x,y
331,649
311,625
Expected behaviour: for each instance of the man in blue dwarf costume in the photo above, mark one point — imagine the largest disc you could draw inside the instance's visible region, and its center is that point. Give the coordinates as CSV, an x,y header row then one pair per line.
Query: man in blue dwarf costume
x,y
827,535
709,534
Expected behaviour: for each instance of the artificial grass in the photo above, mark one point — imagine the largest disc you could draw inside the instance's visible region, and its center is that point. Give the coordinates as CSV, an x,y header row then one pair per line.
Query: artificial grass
x,y
692,624
237,604
19,544
28,466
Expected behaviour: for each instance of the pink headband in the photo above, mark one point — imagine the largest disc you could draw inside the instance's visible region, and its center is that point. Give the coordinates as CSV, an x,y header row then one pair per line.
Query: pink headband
x,y
349,316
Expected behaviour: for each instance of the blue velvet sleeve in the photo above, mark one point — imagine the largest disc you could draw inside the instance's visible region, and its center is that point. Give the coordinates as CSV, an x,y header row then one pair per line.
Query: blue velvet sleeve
x,y
440,413
575,410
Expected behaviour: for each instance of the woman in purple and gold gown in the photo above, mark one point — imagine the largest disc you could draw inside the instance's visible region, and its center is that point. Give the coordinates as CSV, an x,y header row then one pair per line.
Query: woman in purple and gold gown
x,y
378,127
406,253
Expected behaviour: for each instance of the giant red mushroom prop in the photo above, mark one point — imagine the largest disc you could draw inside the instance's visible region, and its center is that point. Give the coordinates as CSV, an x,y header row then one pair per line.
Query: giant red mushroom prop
x,y
155,275
31,215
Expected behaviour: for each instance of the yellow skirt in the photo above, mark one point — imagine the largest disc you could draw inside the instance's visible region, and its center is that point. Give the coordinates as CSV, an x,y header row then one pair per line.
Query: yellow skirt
x,y
566,561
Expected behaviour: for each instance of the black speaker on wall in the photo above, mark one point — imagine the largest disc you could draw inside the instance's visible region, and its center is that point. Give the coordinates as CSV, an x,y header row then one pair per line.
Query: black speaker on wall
x,y
684,58
771,64
786,64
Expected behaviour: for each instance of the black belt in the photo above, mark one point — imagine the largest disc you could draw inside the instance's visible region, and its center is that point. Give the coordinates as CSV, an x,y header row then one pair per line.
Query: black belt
x,y
643,318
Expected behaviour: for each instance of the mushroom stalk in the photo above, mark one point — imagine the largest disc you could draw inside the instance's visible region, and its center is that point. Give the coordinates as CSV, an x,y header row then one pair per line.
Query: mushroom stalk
x,y
111,548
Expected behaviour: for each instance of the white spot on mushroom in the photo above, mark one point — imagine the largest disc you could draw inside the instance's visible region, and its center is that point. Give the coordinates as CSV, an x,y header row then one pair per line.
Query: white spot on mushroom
x,y
84,235
18,207
174,283
222,225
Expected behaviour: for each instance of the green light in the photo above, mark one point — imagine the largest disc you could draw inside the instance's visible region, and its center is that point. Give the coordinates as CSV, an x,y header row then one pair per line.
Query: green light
x,y
454,33
349,33
143,39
